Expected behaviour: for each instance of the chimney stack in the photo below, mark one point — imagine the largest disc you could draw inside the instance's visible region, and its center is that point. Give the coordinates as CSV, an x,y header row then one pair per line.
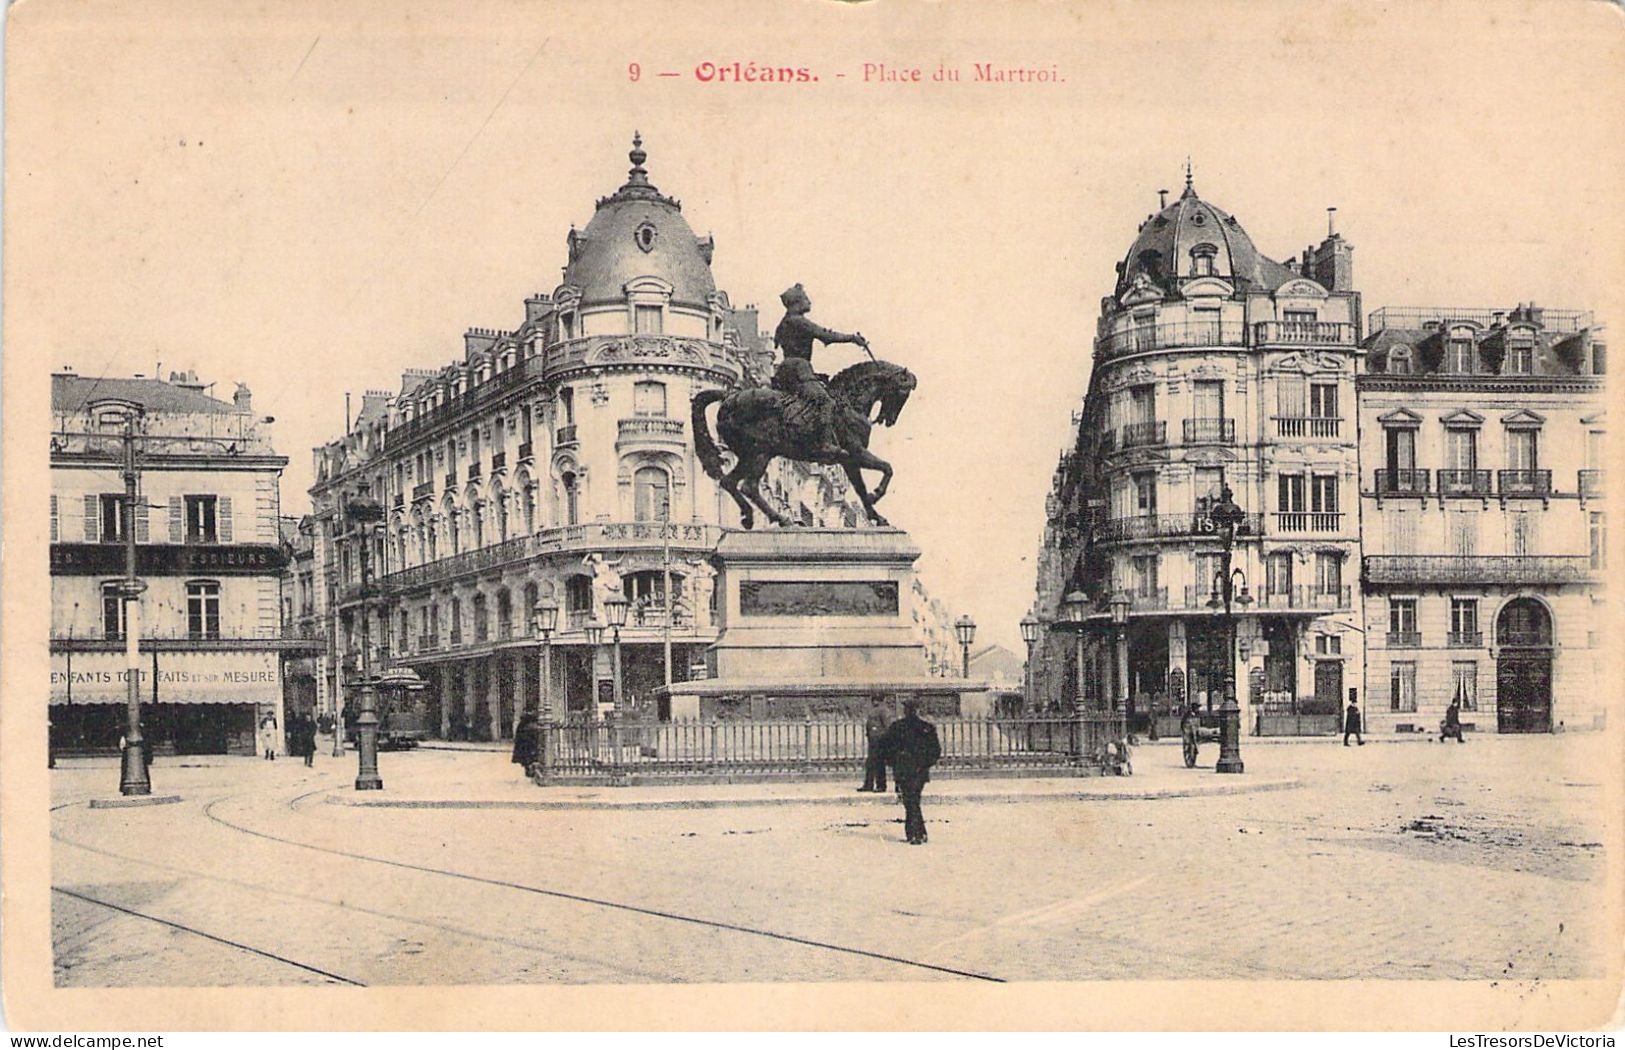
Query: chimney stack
x,y
1331,222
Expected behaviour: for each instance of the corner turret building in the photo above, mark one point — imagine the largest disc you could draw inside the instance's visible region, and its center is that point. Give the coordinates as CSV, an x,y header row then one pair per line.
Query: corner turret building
x,y
1213,365
552,462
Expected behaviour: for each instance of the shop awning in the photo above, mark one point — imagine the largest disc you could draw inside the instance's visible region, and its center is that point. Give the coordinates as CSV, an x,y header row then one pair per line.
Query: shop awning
x,y
250,677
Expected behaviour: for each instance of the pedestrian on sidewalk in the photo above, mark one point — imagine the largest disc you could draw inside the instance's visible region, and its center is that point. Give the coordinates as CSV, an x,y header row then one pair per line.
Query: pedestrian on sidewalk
x,y
1351,724
874,727
1451,726
267,737
304,738
911,746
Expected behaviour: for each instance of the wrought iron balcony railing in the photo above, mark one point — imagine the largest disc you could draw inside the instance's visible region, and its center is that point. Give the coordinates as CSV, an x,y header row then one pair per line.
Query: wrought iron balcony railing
x,y
1303,333
1171,526
1465,639
1590,483
1136,434
422,490
1308,426
1464,482
451,479
1525,482
1170,335
525,451
499,461
1525,639
1404,481
565,435
1210,431
1148,599
1308,520
1469,569
1404,639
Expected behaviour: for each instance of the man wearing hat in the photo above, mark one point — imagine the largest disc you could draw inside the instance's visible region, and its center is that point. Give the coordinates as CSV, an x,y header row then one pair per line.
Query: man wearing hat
x,y
912,748
795,374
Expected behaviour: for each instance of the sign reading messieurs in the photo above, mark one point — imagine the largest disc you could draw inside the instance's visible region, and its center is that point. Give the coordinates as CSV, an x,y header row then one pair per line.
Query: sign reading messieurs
x,y
818,598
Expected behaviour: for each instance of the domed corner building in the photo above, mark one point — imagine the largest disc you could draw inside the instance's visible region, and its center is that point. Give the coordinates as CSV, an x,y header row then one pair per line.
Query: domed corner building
x,y
1213,365
551,463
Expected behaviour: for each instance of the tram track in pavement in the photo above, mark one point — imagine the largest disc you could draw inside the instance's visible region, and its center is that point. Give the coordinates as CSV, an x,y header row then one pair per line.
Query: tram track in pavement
x,y
622,907
214,938
596,902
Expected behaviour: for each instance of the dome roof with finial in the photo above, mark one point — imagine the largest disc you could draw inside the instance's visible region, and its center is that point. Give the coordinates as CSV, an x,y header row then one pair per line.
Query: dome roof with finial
x,y
637,231
1171,241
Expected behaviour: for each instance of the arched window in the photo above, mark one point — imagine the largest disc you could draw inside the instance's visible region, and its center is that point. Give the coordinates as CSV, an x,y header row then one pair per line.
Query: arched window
x,y
567,481
1203,258
482,625
578,599
504,614
1399,360
477,513
528,610
1459,352
1524,622
650,494
530,508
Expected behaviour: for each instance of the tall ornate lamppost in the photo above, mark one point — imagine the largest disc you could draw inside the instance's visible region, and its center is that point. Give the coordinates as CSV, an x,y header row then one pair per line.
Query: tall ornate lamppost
x,y
367,514
615,610
965,631
527,738
1029,634
134,778
1119,606
1226,516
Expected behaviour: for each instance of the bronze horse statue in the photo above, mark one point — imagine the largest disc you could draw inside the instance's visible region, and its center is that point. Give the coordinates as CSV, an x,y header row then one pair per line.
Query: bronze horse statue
x,y
753,424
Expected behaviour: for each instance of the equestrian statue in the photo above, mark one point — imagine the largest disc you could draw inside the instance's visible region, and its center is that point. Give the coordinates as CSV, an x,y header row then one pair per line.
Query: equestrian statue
x,y
803,416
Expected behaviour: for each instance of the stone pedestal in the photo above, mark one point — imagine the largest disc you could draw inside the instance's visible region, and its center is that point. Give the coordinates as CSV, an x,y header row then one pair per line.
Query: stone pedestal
x,y
813,622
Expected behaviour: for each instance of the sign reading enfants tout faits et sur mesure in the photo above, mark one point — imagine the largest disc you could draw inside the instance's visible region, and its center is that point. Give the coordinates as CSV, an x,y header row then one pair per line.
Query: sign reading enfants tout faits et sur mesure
x,y
183,678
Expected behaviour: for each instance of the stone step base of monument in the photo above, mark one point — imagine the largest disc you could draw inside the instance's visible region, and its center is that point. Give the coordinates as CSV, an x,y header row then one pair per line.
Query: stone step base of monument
x,y
852,774
788,697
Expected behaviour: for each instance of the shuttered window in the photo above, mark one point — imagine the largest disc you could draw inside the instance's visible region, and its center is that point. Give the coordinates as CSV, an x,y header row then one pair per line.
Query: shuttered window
x,y
56,528
93,519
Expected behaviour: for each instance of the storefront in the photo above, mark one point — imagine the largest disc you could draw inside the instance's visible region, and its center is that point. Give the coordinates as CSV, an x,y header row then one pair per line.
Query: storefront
x,y
191,702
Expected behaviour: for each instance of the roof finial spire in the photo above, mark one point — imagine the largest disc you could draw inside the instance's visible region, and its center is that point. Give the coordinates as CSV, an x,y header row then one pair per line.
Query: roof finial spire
x,y
1190,190
637,156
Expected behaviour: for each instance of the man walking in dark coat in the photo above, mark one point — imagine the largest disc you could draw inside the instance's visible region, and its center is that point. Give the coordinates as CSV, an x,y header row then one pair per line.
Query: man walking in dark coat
x,y
1351,724
910,745
874,727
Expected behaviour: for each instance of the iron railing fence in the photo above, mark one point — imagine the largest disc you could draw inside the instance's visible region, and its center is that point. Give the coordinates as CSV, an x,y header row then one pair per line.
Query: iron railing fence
x,y
614,749
1525,482
1482,568
1590,482
1455,482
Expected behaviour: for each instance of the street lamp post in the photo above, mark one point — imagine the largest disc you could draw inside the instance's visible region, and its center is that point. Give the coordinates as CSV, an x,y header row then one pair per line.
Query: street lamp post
x,y
615,611
537,735
965,631
367,514
134,778
1076,607
1029,634
1226,516
1120,606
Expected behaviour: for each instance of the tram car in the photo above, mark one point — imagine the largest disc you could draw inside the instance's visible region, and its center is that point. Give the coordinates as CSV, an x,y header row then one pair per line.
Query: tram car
x,y
403,720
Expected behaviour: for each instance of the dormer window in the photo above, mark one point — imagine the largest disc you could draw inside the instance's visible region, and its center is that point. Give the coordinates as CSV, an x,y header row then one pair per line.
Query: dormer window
x,y
567,327
1459,357
1203,260
1520,359
1399,360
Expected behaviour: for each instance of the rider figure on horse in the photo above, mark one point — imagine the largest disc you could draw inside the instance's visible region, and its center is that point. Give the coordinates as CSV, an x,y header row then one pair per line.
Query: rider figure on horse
x,y
814,407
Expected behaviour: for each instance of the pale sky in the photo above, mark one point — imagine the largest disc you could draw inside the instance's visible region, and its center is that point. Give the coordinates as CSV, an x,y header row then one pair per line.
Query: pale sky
x,y
314,199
